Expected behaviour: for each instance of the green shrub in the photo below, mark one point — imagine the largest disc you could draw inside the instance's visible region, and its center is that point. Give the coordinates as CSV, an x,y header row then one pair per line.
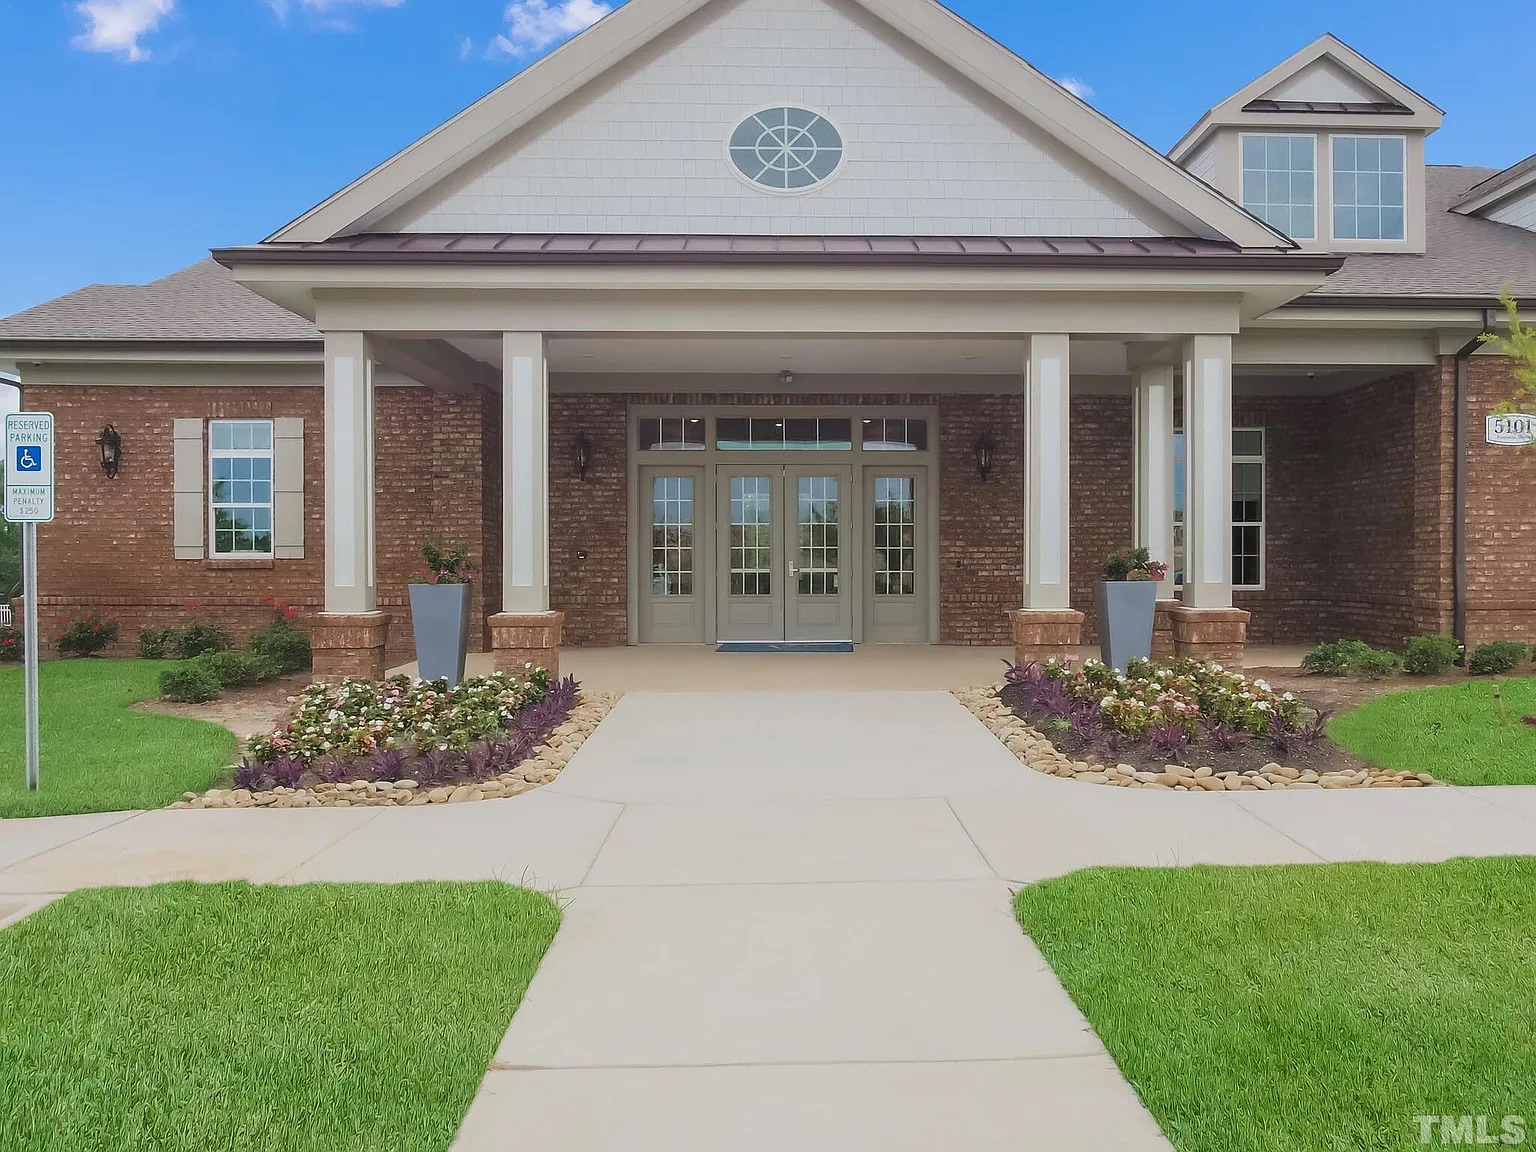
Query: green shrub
x,y
1377,664
1429,655
189,683
197,639
1336,658
1499,657
284,645
155,643
236,669
87,637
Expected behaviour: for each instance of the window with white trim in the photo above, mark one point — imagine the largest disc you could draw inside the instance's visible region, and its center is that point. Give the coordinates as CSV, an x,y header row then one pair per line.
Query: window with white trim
x,y
1280,182
1369,196
240,487
1247,507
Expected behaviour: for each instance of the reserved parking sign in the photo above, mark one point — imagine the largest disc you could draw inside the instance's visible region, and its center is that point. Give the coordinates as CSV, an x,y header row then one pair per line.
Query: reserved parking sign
x,y
29,467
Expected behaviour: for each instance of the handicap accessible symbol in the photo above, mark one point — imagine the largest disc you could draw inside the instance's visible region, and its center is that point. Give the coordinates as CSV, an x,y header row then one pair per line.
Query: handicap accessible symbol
x,y
29,458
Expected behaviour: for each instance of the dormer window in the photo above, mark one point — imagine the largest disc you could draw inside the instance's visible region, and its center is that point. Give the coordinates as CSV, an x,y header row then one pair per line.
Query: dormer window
x,y
1280,182
1368,188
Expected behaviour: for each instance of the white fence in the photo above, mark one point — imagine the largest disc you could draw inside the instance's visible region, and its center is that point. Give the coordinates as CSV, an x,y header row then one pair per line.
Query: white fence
x,y
5,615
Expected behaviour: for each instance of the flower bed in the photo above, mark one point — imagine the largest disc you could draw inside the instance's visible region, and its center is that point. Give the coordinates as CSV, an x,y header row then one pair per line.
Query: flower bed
x,y
1154,718
424,731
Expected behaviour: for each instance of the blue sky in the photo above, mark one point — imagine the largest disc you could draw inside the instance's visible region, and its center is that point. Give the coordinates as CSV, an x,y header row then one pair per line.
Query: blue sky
x,y
136,134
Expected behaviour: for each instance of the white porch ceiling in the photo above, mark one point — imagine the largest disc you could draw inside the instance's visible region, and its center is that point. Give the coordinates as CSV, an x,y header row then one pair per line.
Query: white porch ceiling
x,y
840,356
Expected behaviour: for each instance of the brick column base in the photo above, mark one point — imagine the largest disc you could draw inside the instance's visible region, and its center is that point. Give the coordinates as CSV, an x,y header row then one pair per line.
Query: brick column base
x,y
519,639
1162,630
349,645
1040,635
19,613
1214,634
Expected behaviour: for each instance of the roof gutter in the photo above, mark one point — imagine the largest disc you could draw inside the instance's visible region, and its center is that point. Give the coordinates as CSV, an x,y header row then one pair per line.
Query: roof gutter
x,y
1459,483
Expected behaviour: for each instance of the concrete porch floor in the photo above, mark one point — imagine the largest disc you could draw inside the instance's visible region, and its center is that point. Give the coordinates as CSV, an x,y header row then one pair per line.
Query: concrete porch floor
x,y
700,668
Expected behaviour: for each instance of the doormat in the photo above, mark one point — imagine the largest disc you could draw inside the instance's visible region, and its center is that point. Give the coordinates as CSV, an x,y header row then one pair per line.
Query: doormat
x,y
784,646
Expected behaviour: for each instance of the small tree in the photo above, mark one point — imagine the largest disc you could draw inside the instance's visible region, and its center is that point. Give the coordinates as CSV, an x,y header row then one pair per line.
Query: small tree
x,y
1519,344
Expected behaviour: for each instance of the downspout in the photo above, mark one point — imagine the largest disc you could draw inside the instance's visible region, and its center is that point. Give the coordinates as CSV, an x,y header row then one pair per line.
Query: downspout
x,y
1459,484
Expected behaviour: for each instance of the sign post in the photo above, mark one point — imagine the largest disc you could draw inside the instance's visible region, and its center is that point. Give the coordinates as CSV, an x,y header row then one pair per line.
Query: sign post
x,y
29,502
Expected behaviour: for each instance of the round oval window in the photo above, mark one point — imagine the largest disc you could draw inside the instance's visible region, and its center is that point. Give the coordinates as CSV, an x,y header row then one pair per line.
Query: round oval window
x,y
786,149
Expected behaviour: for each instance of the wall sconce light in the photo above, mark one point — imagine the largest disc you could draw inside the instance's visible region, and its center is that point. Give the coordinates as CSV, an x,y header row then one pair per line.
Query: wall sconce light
x,y
581,455
984,451
110,445
786,377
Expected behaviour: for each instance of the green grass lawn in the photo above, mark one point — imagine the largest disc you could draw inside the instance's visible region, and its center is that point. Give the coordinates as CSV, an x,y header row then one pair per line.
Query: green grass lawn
x,y
1316,1008
98,754
331,1018
1463,733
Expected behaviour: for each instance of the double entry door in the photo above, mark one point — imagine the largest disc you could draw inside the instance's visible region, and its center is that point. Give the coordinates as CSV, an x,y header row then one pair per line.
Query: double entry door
x,y
791,552
784,539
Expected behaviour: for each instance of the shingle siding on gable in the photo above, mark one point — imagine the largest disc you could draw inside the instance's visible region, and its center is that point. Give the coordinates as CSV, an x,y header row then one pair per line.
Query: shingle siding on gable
x,y
649,155
1521,212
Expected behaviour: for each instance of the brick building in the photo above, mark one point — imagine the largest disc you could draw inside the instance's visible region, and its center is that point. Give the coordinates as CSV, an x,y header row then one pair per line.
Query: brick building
x,y
823,320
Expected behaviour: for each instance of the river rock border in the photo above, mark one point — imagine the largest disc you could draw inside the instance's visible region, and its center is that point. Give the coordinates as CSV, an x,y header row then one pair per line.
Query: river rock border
x,y
1035,750
544,766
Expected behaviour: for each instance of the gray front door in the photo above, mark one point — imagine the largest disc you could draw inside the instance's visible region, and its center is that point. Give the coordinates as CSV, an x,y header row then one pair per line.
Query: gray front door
x,y
784,567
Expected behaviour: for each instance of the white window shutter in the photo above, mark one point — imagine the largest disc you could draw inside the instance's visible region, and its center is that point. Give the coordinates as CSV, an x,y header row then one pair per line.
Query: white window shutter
x,y
190,465
288,489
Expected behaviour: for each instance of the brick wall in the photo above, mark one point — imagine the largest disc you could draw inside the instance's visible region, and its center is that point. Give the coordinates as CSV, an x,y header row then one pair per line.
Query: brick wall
x,y
1103,509
1501,514
1296,602
1358,528
590,518
110,547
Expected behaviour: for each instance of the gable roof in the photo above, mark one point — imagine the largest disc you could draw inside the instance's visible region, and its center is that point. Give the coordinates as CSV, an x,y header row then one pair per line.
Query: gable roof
x,y
1465,257
1502,185
1255,103
925,24
201,304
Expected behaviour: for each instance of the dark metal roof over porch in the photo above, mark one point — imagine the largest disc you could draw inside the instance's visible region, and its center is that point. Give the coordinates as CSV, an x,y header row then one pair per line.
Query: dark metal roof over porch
x,y
490,249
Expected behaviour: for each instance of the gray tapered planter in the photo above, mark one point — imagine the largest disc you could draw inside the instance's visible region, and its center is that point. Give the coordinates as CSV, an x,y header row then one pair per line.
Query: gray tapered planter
x,y
1127,611
440,620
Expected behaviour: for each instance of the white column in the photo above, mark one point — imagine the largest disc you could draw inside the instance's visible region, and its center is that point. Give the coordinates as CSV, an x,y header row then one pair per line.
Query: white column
x,y
1208,446
1047,461
1154,386
525,473
351,584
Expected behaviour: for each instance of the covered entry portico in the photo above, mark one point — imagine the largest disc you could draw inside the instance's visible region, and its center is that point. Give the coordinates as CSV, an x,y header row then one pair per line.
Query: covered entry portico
x,y
745,536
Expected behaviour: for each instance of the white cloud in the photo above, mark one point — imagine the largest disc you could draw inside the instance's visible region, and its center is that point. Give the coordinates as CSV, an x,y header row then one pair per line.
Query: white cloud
x,y
1078,88
119,25
534,25
10,398
331,13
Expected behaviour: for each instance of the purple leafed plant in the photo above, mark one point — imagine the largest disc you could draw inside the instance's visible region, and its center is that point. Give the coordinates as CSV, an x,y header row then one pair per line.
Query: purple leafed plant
x,y
1168,742
1223,737
249,775
1086,722
1113,745
286,773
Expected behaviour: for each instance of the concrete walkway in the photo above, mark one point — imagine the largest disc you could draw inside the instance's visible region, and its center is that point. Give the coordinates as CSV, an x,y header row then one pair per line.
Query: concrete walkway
x,y
789,921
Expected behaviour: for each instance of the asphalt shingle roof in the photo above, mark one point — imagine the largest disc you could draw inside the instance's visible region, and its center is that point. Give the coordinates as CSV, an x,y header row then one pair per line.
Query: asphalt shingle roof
x,y
1465,255
201,303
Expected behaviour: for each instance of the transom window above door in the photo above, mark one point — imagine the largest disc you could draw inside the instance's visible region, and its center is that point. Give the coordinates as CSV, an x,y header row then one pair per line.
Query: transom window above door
x,y
784,434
